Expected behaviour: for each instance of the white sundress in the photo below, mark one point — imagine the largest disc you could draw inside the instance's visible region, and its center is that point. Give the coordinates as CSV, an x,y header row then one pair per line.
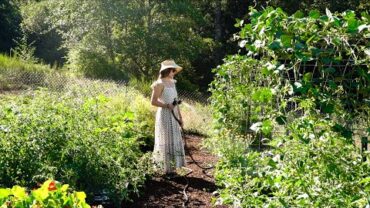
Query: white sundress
x,y
168,153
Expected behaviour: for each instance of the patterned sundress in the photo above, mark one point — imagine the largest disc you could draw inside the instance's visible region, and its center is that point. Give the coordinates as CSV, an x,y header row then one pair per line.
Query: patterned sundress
x,y
168,153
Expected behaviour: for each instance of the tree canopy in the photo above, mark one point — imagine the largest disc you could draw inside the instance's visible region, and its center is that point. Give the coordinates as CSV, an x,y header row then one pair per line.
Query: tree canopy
x,y
122,39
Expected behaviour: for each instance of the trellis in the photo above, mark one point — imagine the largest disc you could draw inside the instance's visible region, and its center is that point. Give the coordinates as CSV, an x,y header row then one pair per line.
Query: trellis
x,y
359,133
297,57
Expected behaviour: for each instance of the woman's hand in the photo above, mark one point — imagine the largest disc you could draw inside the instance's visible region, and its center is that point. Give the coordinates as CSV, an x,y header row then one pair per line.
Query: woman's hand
x,y
170,106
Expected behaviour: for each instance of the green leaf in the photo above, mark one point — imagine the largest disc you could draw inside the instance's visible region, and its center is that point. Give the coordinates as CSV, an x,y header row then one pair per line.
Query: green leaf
x,y
310,39
40,194
275,45
64,187
281,200
298,14
352,25
4,193
315,14
262,95
238,23
315,51
332,85
265,71
81,196
272,163
129,115
344,132
349,15
281,120
286,40
330,70
266,127
19,192
365,180
299,46
307,77
327,107
327,60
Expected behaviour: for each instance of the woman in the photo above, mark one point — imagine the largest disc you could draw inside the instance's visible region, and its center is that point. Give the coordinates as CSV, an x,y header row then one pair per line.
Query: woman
x,y
168,151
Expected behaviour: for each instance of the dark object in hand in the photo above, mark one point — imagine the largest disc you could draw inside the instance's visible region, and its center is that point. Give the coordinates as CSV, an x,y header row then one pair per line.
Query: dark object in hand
x,y
176,101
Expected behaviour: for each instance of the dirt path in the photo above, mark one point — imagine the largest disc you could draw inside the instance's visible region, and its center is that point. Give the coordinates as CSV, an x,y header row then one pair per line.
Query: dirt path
x,y
162,192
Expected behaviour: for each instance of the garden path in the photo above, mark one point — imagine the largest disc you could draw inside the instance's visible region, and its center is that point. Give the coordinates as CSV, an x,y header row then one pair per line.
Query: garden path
x,y
164,192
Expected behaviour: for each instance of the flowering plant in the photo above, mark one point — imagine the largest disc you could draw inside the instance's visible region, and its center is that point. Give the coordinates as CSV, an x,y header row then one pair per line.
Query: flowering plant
x,y
50,194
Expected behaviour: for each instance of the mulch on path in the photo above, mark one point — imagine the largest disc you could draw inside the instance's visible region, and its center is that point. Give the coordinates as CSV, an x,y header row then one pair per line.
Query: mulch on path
x,y
163,192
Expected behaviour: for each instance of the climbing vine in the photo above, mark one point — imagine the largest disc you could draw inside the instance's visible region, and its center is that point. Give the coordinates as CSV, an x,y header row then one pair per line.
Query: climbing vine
x,y
299,86
294,64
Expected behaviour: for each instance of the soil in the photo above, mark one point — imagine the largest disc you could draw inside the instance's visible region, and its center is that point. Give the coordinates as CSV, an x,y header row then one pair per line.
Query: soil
x,y
162,191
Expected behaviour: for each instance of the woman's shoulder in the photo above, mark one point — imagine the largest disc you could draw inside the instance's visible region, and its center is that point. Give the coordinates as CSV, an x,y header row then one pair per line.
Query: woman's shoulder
x,y
167,81
164,83
157,83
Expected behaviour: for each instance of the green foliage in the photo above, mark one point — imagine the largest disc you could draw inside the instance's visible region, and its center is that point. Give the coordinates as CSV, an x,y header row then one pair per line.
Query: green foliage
x,y
312,167
16,73
50,194
39,31
82,138
141,85
91,64
237,95
340,6
300,88
115,39
15,63
247,90
24,50
10,19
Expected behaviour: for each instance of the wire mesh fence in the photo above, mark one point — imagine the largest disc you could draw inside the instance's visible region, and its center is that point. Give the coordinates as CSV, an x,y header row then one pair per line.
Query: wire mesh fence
x,y
197,116
59,82
24,80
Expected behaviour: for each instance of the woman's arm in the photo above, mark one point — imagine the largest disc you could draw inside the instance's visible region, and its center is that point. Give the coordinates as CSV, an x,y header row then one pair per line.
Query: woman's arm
x,y
157,91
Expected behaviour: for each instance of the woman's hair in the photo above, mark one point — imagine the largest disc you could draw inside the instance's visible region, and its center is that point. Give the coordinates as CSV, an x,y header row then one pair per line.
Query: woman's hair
x,y
166,72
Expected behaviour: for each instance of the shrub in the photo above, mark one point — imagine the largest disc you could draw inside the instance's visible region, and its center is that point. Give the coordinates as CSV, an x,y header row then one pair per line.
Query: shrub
x,y
312,167
95,65
77,138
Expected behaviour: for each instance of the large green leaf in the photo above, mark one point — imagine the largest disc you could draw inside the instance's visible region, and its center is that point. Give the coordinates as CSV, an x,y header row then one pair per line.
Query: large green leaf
x,y
4,192
315,14
286,40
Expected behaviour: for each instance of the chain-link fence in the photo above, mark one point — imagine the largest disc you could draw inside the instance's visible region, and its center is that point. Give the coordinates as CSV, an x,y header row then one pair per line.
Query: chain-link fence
x,y
20,80
196,113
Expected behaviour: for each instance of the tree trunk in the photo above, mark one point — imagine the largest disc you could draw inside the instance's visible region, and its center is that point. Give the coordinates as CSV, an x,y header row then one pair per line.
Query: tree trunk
x,y
218,31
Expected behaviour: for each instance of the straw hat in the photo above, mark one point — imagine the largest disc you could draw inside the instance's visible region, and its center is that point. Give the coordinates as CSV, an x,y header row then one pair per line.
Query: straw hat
x,y
170,64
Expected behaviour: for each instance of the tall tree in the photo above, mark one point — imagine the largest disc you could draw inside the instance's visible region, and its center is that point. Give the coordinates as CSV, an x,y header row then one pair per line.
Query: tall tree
x,y
133,37
39,32
10,19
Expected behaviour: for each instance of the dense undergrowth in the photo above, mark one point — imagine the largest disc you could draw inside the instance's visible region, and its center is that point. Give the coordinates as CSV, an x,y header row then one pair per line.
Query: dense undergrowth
x,y
300,92
90,142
